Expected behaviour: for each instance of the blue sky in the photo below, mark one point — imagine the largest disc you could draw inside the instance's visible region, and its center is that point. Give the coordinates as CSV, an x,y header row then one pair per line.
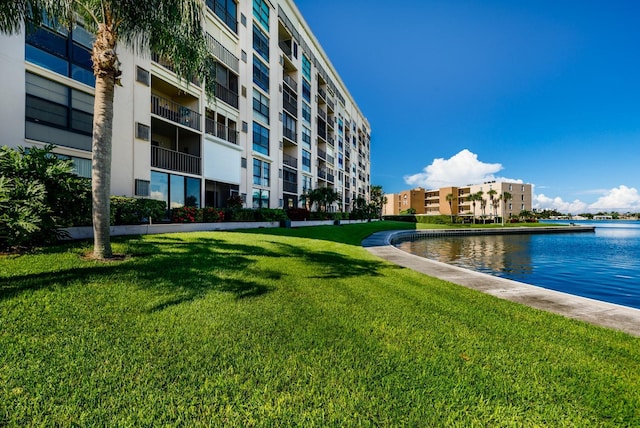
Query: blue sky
x,y
457,92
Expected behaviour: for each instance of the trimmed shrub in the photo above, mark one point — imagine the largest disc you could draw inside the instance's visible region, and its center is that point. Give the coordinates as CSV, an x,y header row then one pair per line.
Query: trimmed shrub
x,y
125,210
212,215
298,214
186,215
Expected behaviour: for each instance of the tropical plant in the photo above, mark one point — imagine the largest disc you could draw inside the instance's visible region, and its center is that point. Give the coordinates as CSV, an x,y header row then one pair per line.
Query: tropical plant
x,y
170,28
378,200
506,197
451,198
40,195
494,202
323,197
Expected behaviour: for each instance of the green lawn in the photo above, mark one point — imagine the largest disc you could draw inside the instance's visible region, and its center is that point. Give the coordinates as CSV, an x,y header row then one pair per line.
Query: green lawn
x,y
289,327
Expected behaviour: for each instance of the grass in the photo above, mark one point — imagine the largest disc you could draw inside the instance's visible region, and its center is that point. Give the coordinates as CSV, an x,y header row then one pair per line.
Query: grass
x,y
289,327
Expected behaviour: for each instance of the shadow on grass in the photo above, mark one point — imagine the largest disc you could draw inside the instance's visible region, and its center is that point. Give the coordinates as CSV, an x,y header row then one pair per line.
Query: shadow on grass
x,y
178,270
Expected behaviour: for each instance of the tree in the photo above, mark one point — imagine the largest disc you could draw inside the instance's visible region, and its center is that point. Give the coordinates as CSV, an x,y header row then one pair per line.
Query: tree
x,y
483,208
170,28
451,198
473,198
506,197
494,202
378,200
323,197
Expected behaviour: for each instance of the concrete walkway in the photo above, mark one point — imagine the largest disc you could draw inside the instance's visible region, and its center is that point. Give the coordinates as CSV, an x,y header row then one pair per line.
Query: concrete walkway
x,y
592,311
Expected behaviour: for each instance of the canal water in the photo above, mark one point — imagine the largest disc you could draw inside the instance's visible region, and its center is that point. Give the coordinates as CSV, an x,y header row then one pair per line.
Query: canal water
x,y
604,265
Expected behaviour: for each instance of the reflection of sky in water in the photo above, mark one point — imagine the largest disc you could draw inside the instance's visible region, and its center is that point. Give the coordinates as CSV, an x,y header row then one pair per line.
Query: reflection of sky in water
x,y
604,265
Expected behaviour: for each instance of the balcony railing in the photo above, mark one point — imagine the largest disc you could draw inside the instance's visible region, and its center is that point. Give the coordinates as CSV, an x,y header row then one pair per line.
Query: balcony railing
x,y
322,174
322,93
322,114
285,45
175,112
322,154
290,186
227,95
330,177
219,130
290,104
330,159
290,161
290,134
169,66
174,161
291,82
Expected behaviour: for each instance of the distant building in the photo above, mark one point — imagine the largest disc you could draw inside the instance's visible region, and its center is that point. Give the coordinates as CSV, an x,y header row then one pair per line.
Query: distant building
x,y
436,202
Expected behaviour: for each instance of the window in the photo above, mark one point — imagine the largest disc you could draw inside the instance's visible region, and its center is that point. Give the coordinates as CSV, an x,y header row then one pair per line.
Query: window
x,y
227,11
63,52
306,67
289,127
260,139
260,74
261,13
306,161
306,137
143,132
306,113
176,190
261,173
57,105
81,167
306,90
143,76
142,187
260,198
306,183
260,43
260,106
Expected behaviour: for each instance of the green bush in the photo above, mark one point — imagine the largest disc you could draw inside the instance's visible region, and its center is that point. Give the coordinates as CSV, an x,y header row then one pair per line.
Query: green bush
x,y
186,215
125,210
409,218
212,215
40,195
298,214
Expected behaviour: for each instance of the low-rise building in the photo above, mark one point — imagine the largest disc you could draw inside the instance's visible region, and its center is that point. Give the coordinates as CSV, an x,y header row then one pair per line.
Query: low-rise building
x,y
478,200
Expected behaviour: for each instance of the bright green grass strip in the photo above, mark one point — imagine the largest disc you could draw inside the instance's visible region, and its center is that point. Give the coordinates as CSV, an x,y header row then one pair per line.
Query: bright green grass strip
x,y
259,328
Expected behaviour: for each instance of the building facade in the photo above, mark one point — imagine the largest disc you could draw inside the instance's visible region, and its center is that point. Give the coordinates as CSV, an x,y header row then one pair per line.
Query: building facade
x,y
457,201
282,121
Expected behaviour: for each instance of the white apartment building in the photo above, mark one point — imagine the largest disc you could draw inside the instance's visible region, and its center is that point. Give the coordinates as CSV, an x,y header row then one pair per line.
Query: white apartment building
x,y
282,121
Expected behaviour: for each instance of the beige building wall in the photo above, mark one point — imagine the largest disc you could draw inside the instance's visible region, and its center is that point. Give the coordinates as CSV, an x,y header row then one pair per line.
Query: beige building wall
x,y
165,127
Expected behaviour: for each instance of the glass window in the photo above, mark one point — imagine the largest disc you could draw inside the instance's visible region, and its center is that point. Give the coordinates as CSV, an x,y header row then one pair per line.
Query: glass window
x,y
260,106
261,173
66,53
306,161
260,139
306,183
192,192
306,113
260,74
160,186
261,13
306,137
260,43
260,198
227,11
176,193
306,67
306,90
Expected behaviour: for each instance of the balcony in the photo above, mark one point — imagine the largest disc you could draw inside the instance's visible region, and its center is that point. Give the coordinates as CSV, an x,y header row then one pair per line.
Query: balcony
x,y
170,66
322,114
322,93
322,174
322,154
285,45
290,134
290,161
290,102
290,186
290,82
175,112
227,95
174,161
221,131
330,178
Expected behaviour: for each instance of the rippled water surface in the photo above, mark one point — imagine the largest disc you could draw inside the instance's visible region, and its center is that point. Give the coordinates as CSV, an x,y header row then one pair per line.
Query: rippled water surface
x,y
604,265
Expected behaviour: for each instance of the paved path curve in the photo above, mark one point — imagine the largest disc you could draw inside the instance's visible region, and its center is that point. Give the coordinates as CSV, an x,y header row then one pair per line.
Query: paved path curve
x,y
593,311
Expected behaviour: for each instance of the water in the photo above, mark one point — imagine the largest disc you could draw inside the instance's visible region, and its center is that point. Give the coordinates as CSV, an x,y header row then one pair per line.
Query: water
x,y
604,265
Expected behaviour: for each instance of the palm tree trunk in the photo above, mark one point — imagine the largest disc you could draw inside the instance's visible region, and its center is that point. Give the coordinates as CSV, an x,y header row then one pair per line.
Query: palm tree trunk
x,y
105,63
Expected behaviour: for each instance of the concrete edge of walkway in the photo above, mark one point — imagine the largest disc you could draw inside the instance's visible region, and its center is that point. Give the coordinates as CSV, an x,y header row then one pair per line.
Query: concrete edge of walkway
x,y
596,312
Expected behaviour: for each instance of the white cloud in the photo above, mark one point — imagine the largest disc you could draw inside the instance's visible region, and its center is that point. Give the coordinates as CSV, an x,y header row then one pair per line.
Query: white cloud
x,y
620,198
546,203
461,169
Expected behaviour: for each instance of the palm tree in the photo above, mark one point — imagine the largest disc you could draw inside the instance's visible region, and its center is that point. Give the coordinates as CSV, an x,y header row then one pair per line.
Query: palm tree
x,y
473,197
494,202
506,196
483,208
171,28
451,198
